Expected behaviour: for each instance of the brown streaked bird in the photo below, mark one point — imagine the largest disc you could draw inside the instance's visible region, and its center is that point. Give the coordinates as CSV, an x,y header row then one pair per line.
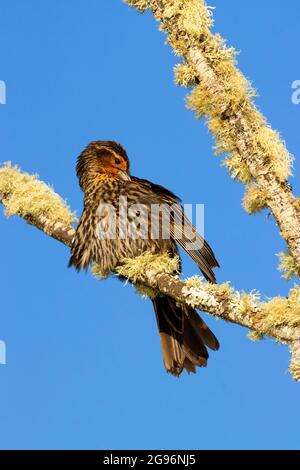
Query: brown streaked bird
x,y
104,177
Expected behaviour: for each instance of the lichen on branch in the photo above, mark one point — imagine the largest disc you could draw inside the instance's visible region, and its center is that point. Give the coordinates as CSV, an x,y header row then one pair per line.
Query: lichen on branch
x,y
26,196
288,266
255,153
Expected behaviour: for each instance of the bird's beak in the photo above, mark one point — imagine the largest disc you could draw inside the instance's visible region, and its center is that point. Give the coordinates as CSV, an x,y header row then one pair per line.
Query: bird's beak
x,y
123,175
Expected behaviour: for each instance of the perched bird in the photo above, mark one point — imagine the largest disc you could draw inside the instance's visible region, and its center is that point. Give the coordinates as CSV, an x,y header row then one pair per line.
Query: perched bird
x,y
104,176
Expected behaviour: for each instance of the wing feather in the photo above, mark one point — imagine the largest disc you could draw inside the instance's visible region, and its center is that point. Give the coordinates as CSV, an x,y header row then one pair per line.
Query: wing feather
x,y
202,254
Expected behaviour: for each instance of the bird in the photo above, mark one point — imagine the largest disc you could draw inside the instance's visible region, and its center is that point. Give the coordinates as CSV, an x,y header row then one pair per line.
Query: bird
x,y
103,171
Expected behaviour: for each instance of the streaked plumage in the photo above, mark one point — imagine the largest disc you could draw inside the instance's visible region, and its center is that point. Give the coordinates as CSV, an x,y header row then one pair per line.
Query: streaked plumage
x,y
103,172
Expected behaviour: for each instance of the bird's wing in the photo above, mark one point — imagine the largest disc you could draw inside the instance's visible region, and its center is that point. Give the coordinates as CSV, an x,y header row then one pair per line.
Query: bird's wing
x,y
182,230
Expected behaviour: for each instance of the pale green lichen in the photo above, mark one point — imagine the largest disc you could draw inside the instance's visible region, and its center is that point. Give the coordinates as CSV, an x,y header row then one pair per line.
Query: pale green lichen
x,y
188,24
297,204
140,5
222,290
294,369
192,19
267,317
238,168
268,143
288,266
255,336
197,292
98,272
262,141
263,317
247,303
185,75
26,196
194,281
255,199
281,311
295,361
225,290
135,269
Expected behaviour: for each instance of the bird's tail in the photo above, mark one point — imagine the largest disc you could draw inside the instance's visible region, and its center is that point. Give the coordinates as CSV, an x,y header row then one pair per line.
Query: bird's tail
x,y
183,336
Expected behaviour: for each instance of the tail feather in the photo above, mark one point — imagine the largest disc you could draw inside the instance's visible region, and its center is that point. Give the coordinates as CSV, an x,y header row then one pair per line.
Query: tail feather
x,y
183,336
202,330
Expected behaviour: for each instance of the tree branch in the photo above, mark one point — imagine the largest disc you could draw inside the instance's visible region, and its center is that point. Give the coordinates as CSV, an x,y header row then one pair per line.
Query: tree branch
x,y
24,195
295,362
257,156
279,197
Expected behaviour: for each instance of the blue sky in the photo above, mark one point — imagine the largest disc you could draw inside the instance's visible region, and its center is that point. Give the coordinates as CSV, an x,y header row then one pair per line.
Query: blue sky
x,y
84,366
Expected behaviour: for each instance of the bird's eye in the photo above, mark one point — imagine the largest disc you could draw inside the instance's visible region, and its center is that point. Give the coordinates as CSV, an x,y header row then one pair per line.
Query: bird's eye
x,y
117,161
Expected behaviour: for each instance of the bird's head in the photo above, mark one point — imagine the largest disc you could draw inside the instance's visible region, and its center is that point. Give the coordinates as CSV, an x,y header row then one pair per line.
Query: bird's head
x,y
102,159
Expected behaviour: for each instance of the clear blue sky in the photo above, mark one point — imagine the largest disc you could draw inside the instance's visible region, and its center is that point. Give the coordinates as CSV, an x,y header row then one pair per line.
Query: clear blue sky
x,y
84,366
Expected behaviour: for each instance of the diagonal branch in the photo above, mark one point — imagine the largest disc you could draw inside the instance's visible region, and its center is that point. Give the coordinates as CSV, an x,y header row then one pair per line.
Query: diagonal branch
x,y
24,195
279,197
256,154
295,362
